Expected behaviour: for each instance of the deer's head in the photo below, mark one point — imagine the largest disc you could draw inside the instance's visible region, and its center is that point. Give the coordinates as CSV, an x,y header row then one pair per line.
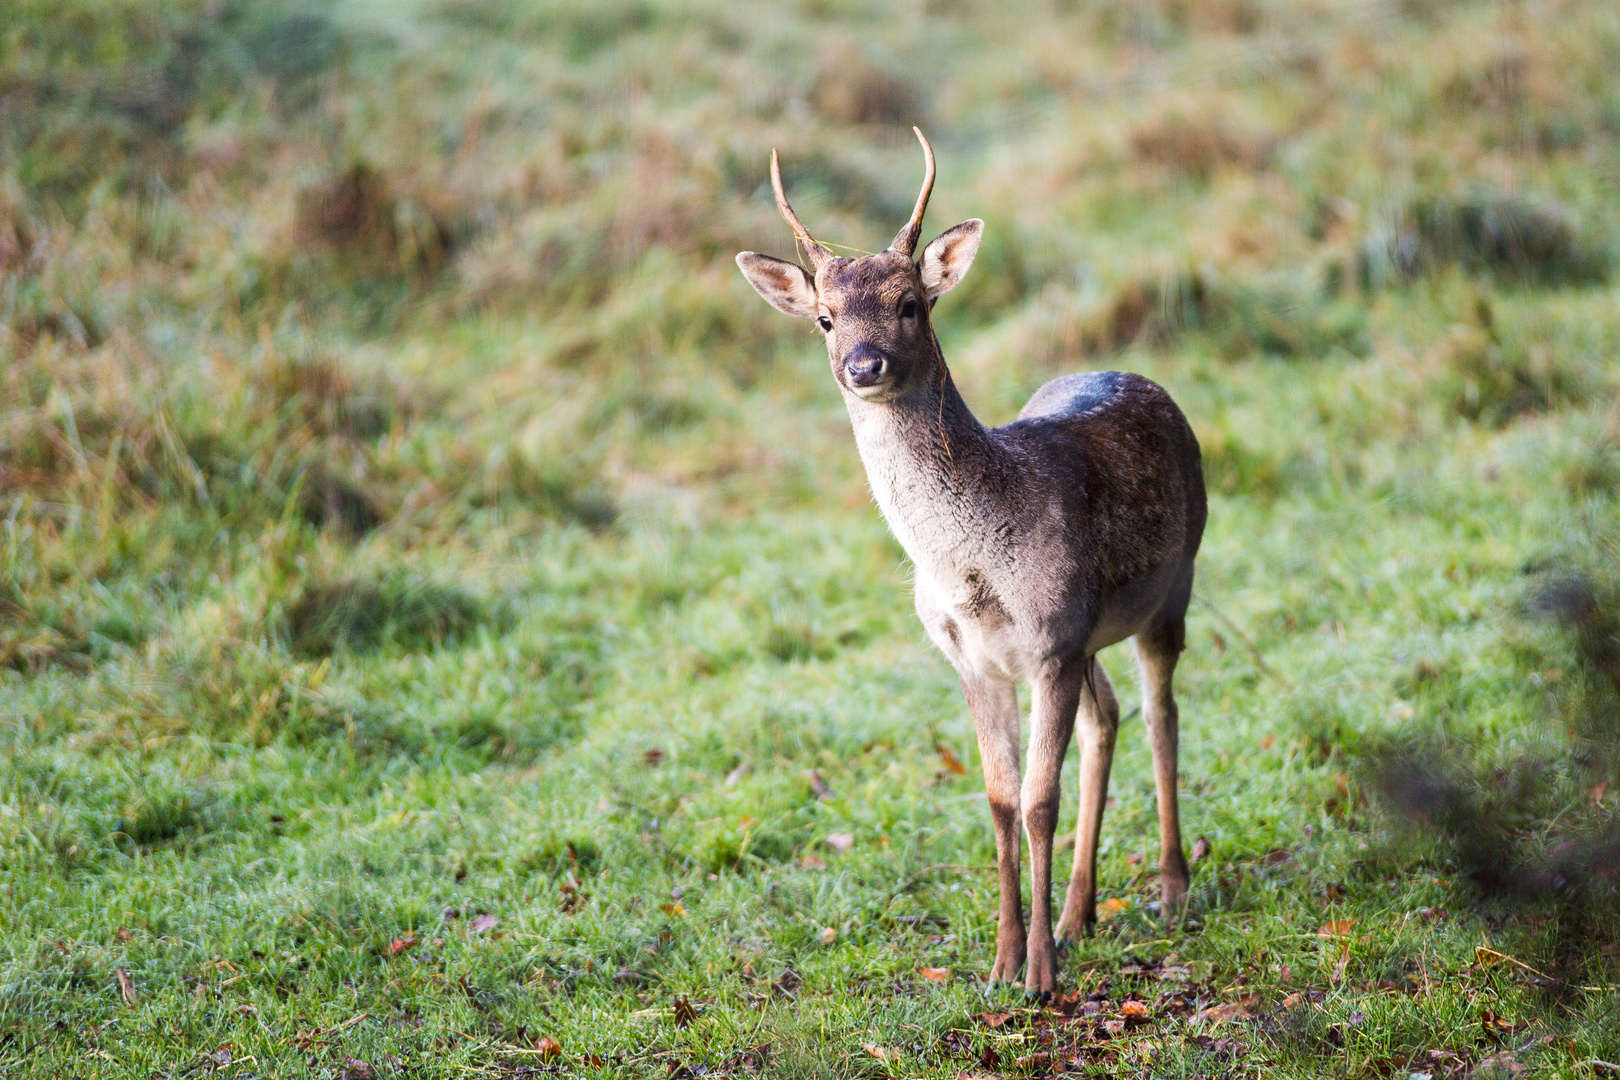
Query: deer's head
x,y
873,311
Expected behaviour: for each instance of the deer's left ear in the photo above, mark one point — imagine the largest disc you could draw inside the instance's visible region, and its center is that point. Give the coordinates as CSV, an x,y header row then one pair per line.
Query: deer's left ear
x,y
945,261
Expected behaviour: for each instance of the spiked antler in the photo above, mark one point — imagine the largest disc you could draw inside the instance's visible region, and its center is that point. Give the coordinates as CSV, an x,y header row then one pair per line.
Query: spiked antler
x,y
818,254
905,241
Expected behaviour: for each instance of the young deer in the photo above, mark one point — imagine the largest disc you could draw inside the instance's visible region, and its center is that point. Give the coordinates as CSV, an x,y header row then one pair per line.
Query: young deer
x,y
1035,545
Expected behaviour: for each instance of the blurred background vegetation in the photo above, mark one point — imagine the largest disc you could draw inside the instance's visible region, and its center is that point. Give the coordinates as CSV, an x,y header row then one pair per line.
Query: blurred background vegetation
x,y
408,507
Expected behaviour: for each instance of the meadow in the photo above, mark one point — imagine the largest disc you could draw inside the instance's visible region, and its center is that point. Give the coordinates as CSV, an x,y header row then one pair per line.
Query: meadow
x,y
445,631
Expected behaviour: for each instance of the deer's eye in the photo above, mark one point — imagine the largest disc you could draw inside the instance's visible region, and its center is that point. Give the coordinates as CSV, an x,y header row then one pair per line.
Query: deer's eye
x,y
825,323
908,310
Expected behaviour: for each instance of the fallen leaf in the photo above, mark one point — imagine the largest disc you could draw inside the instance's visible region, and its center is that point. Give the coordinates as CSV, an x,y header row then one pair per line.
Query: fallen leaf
x,y
125,988
1293,1001
482,923
818,785
993,1020
1344,962
355,1069
951,762
882,1053
1113,1027
828,935
1111,907
125,935
1500,1064
672,909
399,945
1285,973
1277,856
935,974
1231,1010
811,862
1336,928
841,842
1135,858
1034,1061
548,1047
1133,1008
735,775
1600,789
1267,742
685,1014
653,757
1201,849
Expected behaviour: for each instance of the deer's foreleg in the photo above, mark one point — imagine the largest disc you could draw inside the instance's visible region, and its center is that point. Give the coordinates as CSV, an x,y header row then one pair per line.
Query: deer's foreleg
x,y
1156,653
1054,696
994,704
1099,724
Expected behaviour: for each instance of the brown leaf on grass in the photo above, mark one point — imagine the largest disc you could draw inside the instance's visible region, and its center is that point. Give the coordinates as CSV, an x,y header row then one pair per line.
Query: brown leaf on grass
x,y
355,1069
1133,1008
1493,1022
818,785
811,862
935,974
482,923
1034,1061
399,945
1293,1001
1277,856
1600,789
1231,1010
1135,858
951,762
1336,928
827,936
1111,907
993,1020
882,1053
1201,849
685,1013
126,989
1344,962
653,757
841,842
125,935
1500,1065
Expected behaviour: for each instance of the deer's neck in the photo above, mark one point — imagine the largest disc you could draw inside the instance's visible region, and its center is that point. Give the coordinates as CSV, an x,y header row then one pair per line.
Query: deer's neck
x,y
931,467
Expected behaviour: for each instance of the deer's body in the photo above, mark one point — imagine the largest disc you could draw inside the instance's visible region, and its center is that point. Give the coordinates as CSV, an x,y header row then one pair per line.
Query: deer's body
x,y
1035,545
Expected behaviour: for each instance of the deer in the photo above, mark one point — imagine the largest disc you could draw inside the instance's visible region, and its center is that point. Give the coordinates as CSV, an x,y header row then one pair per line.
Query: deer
x,y
1033,546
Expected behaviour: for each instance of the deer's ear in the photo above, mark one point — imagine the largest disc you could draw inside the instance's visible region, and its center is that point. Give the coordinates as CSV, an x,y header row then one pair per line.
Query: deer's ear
x,y
784,285
945,261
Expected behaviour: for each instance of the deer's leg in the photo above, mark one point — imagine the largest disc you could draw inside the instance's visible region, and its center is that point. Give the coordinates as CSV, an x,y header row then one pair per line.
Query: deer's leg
x,y
1099,724
994,704
1054,696
1156,653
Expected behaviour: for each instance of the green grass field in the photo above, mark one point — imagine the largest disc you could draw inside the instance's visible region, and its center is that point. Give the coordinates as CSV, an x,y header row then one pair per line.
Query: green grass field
x,y
444,630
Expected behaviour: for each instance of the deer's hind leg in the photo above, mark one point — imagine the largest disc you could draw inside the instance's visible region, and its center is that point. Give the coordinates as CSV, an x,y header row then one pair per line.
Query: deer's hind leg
x,y
1099,725
1157,650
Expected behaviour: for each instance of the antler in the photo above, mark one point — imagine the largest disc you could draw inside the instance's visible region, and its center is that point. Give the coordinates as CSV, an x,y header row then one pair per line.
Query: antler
x,y
905,241
818,254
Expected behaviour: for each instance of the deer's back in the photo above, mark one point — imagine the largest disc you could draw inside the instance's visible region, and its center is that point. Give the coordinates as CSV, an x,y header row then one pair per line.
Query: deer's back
x,y
1120,458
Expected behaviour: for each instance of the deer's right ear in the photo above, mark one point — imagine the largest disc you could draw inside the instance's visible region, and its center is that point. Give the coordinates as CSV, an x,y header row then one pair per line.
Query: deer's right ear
x,y
784,285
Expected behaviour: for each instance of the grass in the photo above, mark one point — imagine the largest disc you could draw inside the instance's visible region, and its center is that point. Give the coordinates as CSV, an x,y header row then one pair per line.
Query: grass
x,y
444,630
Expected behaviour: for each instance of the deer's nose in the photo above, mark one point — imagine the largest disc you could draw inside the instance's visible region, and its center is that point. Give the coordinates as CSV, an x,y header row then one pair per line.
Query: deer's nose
x,y
865,366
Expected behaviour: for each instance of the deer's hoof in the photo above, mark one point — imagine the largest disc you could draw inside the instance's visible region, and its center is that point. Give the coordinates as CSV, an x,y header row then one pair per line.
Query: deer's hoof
x,y
1009,962
1042,975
